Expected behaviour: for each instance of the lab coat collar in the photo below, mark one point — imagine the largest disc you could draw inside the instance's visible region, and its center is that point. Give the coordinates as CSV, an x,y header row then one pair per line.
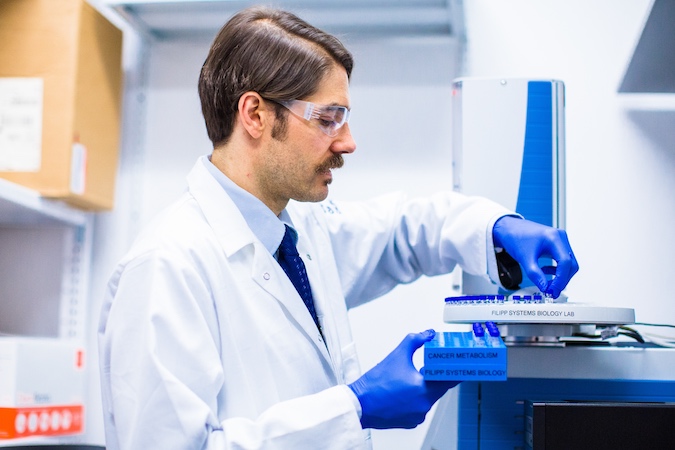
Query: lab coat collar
x,y
260,219
219,210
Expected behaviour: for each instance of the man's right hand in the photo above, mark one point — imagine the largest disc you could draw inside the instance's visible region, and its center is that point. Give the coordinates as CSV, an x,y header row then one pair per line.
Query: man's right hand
x,y
393,394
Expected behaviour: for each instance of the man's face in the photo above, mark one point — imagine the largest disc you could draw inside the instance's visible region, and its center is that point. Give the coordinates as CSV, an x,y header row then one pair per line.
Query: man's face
x,y
297,164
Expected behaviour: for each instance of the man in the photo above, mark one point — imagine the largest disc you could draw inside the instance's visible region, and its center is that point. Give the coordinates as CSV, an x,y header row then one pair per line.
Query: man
x,y
216,334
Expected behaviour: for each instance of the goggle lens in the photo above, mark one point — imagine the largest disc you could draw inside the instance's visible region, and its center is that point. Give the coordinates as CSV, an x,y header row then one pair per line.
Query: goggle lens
x,y
329,118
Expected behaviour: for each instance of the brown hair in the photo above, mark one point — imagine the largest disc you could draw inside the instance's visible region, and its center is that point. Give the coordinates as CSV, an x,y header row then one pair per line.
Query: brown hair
x,y
269,51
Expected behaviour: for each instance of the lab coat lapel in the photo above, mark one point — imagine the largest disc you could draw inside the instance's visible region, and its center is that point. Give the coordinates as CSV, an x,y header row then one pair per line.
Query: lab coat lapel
x,y
269,275
322,305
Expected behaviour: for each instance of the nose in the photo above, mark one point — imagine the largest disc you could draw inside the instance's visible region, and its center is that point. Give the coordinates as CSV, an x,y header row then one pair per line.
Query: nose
x,y
344,141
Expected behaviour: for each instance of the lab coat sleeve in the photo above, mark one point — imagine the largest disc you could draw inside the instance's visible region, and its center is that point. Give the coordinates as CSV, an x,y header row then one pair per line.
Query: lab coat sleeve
x,y
392,239
163,376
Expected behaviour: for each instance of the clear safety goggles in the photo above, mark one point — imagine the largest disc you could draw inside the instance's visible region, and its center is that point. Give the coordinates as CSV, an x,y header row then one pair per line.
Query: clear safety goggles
x,y
328,118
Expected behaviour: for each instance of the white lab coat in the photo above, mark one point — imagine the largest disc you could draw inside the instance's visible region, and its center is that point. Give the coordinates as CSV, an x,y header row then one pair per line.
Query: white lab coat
x,y
205,344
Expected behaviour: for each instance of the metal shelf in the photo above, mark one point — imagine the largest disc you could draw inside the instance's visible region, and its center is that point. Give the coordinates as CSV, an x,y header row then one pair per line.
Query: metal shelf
x,y
22,206
180,19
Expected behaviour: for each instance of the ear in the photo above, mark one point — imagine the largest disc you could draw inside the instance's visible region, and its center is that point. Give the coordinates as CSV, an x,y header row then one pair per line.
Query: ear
x,y
253,115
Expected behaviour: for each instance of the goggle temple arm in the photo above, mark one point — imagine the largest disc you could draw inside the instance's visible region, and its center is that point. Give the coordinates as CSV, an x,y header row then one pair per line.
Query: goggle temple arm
x,y
309,111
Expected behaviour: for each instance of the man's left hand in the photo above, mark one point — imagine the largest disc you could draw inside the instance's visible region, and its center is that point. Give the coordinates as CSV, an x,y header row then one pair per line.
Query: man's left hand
x,y
527,241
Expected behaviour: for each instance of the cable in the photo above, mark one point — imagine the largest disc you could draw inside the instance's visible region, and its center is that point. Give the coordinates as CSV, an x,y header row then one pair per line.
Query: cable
x,y
634,336
630,332
663,341
586,336
659,336
654,324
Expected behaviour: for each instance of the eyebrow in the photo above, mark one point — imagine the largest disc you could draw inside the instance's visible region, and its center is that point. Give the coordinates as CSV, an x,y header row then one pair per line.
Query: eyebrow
x,y
336,104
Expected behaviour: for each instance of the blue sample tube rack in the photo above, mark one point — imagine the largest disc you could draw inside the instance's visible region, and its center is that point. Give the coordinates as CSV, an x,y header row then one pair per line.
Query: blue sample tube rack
x,y
477,355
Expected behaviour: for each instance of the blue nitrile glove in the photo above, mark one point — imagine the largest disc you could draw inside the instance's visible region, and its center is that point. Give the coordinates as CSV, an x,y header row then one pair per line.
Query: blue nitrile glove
x,y
527,241
393,394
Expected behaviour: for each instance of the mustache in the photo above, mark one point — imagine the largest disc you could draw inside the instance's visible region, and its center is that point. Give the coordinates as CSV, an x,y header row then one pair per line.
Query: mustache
x,y
334,162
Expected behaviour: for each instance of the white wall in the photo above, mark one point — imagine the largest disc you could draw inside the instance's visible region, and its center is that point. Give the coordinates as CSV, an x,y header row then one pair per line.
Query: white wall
x,y
620,160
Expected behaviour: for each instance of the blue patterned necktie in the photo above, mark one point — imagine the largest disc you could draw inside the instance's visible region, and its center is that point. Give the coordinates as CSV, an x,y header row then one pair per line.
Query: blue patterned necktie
x,y
290,261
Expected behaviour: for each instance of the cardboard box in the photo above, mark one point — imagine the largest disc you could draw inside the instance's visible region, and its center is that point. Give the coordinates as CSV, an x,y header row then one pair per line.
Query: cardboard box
x,y
41,387
77,54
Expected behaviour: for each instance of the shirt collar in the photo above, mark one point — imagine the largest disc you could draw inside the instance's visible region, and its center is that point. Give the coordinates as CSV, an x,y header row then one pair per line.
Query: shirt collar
x,y
267,227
